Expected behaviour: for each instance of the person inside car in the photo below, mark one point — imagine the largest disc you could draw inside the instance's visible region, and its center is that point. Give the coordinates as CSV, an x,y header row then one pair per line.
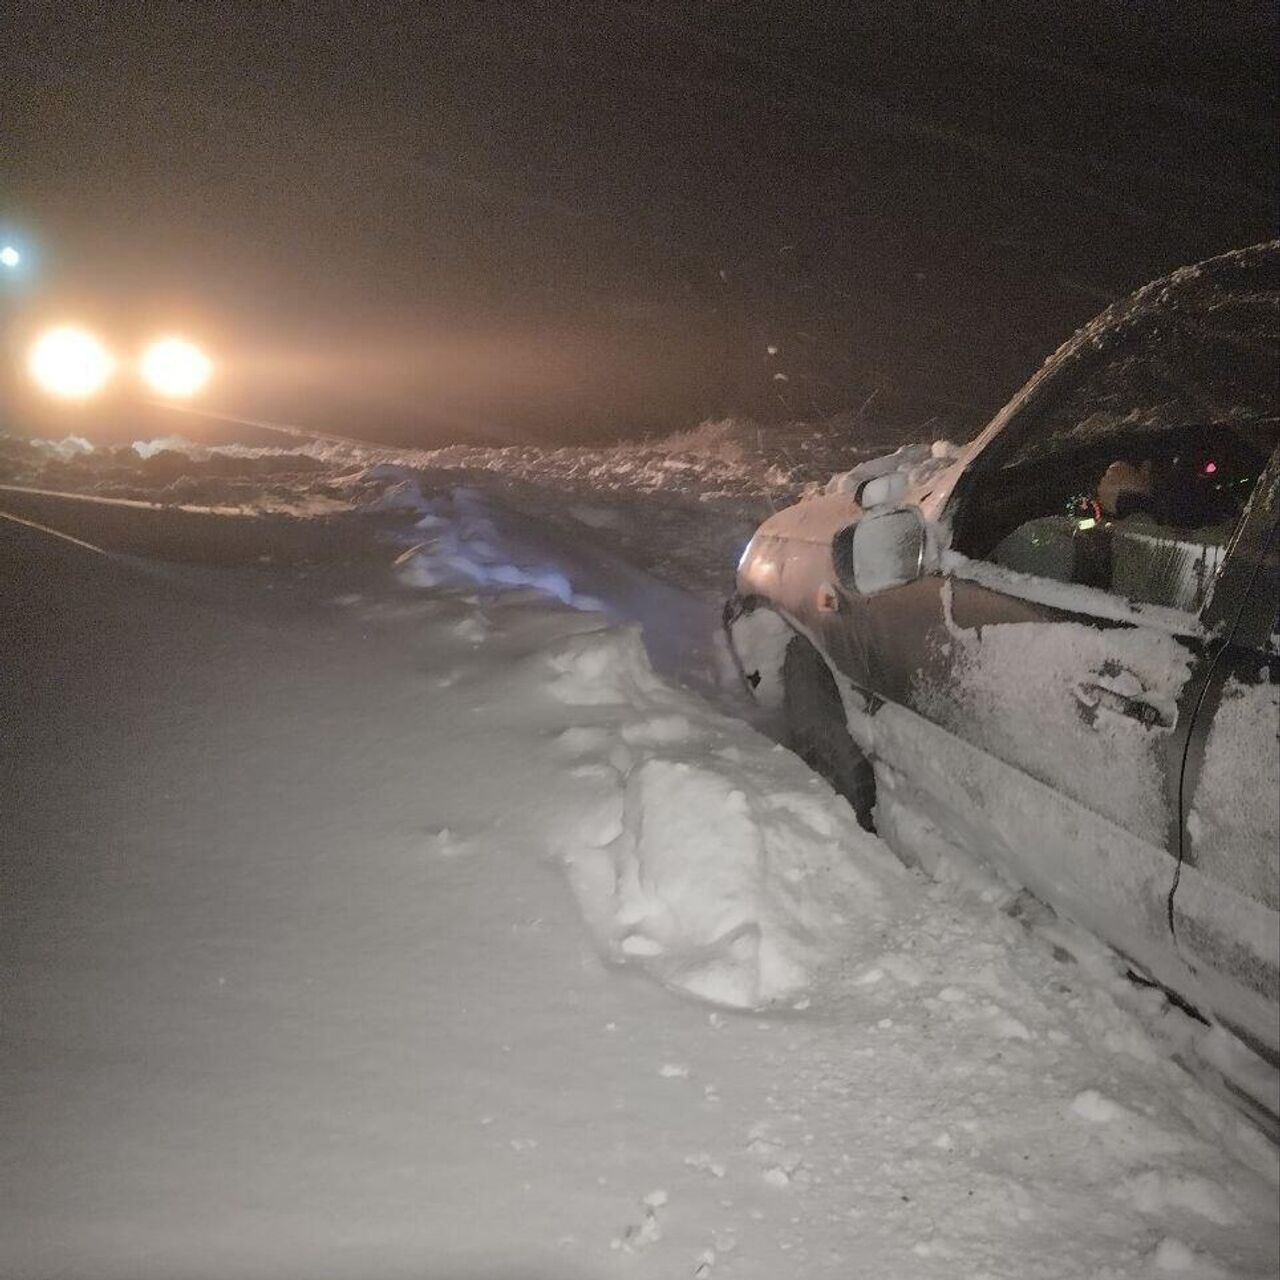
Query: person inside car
x,y
1127,488
1162,549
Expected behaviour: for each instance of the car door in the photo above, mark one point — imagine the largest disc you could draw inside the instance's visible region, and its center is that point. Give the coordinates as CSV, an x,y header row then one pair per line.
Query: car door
x,y
1224,909
1045,735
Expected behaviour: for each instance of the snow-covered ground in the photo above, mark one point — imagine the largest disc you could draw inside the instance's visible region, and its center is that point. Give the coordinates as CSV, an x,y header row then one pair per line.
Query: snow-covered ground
x,y
428,911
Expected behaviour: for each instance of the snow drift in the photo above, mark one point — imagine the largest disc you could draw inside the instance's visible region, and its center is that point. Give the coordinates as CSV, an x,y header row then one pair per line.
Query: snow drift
x,y
733,875
456,544
726,871
294,994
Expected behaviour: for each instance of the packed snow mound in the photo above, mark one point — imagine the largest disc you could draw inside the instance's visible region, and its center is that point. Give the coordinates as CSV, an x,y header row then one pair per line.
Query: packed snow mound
x,y
403,495
67,447
727,872
680,509
174,471
731,439
589,671
455,544
730,464
161,444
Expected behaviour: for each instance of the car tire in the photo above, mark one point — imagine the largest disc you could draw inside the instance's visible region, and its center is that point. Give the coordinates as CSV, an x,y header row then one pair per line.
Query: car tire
x,y
818,732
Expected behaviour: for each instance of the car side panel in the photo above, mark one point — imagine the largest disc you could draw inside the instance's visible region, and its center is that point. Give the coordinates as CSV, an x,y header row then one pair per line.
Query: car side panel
x,y
1226,907
1230,942
1093,871
1056,695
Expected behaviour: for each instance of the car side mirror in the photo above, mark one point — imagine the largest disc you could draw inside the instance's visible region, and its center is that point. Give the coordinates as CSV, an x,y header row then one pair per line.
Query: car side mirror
x,y
884,549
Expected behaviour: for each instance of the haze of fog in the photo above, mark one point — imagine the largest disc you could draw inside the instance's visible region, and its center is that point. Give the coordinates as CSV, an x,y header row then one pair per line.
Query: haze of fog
x,y
565,221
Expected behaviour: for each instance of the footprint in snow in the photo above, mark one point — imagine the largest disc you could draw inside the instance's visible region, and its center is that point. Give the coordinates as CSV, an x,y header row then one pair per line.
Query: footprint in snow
x,y
446,843
703,1163
1097,1108
1172,1257
475,630
779,1167
581,740
640,1235
658,730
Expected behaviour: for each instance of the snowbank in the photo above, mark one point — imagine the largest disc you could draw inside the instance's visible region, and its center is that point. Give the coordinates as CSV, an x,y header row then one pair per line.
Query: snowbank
x,y
725,871
679,509
66,448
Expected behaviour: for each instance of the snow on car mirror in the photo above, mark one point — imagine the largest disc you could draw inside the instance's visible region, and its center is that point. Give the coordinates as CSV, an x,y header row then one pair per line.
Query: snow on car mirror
x,y
879,491
884,549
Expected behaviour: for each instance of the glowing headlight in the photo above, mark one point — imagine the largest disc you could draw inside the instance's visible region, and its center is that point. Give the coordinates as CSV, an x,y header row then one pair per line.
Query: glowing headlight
x,y
175,367
70,362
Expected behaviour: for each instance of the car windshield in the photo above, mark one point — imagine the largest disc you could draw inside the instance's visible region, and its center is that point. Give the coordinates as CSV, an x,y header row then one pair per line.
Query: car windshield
x,y
1220,367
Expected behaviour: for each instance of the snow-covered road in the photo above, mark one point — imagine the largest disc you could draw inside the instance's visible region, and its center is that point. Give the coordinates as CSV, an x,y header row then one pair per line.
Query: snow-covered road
x,y
355,928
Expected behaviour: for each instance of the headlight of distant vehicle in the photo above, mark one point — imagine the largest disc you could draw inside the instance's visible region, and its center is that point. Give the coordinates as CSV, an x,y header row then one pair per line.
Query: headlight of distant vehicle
x,y
175,367
70,362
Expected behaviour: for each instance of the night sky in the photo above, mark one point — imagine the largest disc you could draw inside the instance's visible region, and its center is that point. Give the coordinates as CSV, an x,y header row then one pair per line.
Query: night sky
x,y
568,221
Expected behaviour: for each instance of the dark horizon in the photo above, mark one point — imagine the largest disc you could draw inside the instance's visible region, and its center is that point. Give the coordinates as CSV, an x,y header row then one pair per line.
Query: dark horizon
x,y
561,222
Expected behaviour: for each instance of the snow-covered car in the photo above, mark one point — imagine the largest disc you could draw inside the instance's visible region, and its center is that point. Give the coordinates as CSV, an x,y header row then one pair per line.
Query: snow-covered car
x,y
1056,647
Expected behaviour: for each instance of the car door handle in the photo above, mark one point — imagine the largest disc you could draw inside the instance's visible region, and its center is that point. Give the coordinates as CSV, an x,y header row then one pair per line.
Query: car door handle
x,y
1094,696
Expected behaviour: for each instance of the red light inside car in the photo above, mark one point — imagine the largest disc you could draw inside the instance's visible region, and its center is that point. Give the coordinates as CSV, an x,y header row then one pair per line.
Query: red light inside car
x,y
1210,468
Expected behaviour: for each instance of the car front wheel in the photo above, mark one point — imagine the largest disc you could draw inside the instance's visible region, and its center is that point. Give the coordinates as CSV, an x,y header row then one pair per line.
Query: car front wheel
x,y
818,732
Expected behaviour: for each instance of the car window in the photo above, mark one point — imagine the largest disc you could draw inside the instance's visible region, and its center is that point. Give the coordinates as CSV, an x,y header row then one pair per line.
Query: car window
x,y
1130,473
1215,364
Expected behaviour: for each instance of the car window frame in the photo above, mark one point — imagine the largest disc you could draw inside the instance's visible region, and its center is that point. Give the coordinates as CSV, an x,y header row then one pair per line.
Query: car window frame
x,y
1237,605
1037,399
